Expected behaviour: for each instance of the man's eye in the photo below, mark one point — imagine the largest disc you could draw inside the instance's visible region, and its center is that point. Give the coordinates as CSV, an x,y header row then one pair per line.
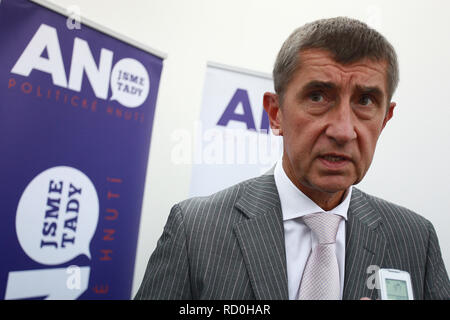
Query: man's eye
x,y
366,100
316,96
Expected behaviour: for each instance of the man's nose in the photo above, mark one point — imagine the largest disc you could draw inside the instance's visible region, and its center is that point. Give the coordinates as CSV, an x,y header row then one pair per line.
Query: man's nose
x,y
341,124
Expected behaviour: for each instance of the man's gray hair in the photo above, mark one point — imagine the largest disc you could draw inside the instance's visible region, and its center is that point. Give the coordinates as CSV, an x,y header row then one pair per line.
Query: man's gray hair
x,y
348,40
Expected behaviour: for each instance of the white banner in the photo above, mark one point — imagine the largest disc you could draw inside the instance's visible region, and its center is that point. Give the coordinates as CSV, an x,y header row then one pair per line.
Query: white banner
x,y
233,140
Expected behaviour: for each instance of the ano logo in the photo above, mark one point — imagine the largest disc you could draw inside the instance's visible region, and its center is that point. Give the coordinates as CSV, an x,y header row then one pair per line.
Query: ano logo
x,y
129,79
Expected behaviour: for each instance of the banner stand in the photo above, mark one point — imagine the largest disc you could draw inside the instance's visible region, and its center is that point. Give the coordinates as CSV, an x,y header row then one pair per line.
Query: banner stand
x,y
77,107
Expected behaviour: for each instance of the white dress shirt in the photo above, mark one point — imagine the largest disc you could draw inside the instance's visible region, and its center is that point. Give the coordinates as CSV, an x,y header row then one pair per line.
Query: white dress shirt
x,y
298,237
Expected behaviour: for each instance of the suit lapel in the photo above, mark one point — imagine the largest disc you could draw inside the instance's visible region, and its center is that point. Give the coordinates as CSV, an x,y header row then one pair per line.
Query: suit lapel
x,y
261,239
364,248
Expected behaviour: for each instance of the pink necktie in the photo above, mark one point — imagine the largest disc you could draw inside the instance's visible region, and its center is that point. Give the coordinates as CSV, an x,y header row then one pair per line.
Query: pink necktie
x,y
320,280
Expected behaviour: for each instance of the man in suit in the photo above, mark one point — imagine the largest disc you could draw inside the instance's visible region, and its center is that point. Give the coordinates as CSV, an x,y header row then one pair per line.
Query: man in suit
x,y
334,80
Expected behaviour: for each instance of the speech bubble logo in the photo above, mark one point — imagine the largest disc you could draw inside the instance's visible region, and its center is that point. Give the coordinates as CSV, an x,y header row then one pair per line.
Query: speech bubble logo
x,y
130,83
57,216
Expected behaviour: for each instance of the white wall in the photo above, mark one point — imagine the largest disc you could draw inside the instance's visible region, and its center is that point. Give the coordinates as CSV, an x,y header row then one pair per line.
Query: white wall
x,y
411,165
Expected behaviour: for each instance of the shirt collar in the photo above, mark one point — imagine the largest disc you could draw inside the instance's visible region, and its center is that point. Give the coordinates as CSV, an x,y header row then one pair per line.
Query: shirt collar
x,y
295,204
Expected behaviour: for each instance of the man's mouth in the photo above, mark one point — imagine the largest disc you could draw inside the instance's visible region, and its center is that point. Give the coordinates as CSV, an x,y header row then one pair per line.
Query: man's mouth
x,y
335,161
334,158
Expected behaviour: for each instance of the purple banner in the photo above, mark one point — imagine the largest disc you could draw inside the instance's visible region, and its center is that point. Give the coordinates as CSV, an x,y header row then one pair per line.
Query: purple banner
x,y
76,115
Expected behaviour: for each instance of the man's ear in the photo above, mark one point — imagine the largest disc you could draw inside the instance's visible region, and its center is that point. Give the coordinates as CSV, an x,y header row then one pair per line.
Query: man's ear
x,y
272,107
389,114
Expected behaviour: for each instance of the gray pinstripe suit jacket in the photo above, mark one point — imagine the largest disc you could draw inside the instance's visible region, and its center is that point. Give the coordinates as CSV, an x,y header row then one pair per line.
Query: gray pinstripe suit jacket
x,y
231,246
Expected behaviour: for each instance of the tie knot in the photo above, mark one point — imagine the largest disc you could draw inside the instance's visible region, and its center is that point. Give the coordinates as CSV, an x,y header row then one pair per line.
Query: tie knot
x,y
324,226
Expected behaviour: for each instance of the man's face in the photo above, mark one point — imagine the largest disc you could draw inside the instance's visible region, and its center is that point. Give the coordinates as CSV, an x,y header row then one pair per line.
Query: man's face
x,y
330,118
